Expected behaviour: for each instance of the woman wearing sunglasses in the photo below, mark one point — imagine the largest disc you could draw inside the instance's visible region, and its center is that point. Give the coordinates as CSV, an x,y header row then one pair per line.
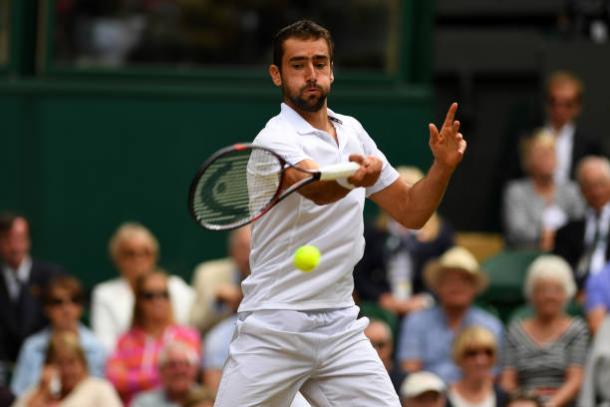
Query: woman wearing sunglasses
x,y
134,366
474,352
63,306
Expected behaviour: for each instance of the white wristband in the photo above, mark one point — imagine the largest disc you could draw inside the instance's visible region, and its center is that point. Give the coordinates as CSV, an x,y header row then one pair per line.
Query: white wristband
x,y
344,183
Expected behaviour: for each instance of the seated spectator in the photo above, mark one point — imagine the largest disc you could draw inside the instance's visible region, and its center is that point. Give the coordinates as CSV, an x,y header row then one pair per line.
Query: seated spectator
x,y
423,389
546,353
380,335
427,336
597,294
22,282
134,251
390,272
522,398
474,351
216,352
595,391
63,305
584,242
178,370
65,380
536,206
132,368
217,283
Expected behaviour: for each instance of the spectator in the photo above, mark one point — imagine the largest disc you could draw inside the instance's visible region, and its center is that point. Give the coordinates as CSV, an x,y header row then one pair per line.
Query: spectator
x,y
178,370
216,351
427,335
390,272
22,282
380,335
522,398
584,243
564,94
63,305
595,391
133,366
546,353
598,298
200,397
135,251
474,351
536,206
423,389
65,380
217,283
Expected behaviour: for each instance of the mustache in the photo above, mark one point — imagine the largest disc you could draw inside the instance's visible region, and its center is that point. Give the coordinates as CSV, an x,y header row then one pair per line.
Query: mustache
x,y
311,85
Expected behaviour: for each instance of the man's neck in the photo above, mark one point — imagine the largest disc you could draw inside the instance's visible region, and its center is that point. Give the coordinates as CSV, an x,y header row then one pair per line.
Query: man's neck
x,y
455,316
318,119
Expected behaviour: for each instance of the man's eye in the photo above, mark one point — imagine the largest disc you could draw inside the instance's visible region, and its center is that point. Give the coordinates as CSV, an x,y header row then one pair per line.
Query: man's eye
x,y
321,65
297,66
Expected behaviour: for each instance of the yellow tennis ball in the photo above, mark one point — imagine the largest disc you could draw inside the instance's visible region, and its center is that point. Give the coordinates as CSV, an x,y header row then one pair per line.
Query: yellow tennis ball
x,y
306,258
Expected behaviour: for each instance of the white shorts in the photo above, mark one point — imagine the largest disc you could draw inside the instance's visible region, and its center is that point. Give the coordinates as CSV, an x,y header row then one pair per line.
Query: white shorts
x,y
324,354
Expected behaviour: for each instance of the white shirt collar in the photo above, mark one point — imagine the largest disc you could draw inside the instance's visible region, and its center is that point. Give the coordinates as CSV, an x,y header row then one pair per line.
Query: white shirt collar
x,y
301,125
12,277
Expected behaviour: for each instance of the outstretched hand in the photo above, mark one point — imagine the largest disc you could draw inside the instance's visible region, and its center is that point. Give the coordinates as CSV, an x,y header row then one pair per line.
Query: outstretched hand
x,y
448,144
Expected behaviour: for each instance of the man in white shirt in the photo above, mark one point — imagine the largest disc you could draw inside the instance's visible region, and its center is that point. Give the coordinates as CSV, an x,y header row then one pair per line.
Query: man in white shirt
x,y
299,330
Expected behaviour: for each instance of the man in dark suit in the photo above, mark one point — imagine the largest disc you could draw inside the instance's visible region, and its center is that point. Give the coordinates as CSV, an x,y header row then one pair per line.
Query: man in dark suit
x,y
563,105
584,243
22,281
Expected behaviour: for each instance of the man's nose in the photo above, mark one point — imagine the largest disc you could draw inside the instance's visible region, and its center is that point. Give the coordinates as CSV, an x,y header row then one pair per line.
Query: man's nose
x,y
310,72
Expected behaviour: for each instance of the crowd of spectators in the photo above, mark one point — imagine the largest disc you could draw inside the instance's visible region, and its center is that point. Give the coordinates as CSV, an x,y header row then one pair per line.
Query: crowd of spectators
x,y
158,341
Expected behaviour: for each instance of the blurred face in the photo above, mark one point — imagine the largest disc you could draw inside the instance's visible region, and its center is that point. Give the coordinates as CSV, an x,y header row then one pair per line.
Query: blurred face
x,y
178,373
15,244
594,185
378,335
456,288
477,361
136,256
71,369
240,250
154,299
426,399
542,160
63,310
548,297
563,105
306,74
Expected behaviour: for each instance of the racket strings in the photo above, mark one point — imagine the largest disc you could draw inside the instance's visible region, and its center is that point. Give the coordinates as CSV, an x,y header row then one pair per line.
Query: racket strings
x,y
236,187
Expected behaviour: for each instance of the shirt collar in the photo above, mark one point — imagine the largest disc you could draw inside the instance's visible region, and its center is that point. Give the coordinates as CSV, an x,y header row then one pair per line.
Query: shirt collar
x,y
300,124
23,271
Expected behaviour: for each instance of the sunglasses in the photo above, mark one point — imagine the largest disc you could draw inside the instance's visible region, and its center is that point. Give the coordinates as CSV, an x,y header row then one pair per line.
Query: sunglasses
x,y
56,302
470,353
152,295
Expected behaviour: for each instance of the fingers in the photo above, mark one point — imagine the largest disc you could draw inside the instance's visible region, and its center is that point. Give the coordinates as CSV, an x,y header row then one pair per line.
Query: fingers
x,y
357,158
450,115
433,132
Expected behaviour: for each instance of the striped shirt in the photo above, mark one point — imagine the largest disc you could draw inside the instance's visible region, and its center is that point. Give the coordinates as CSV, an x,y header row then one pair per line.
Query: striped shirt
x,y
133,366
544,365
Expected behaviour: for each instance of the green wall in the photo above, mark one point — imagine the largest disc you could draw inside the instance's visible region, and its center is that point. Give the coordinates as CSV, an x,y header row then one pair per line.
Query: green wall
x,y
80,157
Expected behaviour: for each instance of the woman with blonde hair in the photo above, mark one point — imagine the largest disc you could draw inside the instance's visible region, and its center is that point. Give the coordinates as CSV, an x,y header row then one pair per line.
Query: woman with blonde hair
x,y
135,251
546,353
537,205
475,352
65,379
133,366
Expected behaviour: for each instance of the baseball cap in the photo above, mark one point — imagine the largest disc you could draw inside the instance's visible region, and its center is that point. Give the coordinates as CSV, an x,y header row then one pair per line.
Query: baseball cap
x,y
421,382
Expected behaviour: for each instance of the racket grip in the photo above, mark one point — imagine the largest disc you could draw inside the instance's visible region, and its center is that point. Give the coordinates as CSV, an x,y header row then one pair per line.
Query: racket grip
x,y
336,171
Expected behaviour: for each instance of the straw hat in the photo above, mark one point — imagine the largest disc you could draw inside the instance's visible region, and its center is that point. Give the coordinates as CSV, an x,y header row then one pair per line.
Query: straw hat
x,y
421,382
456,258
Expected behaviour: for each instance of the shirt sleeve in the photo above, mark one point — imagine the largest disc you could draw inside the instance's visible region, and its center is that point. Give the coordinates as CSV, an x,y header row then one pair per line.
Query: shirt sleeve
x,y
596,292
388,173
282,141
577,348
25,373
411,336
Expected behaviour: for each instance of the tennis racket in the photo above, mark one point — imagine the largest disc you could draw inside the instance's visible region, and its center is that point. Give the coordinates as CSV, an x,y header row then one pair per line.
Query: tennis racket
x,y
240,183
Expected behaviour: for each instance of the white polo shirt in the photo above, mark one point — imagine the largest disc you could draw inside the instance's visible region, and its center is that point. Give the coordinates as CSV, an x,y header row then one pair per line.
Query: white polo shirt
x,y
336,229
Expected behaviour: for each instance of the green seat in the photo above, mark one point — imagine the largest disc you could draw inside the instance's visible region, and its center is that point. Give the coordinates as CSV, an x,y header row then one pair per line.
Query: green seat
x,y
506,272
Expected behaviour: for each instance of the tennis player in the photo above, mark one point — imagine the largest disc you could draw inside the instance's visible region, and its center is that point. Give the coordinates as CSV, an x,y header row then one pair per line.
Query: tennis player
x,y
299,331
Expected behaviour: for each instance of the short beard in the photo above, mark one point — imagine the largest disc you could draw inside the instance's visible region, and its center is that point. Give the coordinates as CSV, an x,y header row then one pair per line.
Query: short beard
x,y
305,105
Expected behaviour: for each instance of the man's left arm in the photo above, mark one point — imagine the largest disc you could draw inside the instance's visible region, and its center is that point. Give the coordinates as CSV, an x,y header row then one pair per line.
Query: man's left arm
x,y
413,205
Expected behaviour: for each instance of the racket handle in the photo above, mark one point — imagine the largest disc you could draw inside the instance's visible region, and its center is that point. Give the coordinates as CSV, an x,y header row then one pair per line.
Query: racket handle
x,y
336,171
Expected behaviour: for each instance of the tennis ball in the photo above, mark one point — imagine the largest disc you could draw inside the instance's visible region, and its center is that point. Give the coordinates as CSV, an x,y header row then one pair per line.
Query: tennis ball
x,y
306,258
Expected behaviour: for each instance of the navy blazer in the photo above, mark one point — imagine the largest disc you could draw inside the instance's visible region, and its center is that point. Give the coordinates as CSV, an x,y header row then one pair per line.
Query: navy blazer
x,y
20,319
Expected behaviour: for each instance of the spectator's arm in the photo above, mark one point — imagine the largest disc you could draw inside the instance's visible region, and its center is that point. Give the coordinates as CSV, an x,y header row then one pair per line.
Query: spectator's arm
x,y
518,226
410,346
570,387
102,322
23,377
509,380
202,314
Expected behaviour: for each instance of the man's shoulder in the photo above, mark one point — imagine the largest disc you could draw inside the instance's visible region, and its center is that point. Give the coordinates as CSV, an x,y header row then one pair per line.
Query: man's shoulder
x,y
110,287
424,317
485,318
46,269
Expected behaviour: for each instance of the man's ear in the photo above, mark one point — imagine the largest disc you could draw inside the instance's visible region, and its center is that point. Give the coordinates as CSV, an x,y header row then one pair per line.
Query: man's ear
x,y
276,75
332,72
